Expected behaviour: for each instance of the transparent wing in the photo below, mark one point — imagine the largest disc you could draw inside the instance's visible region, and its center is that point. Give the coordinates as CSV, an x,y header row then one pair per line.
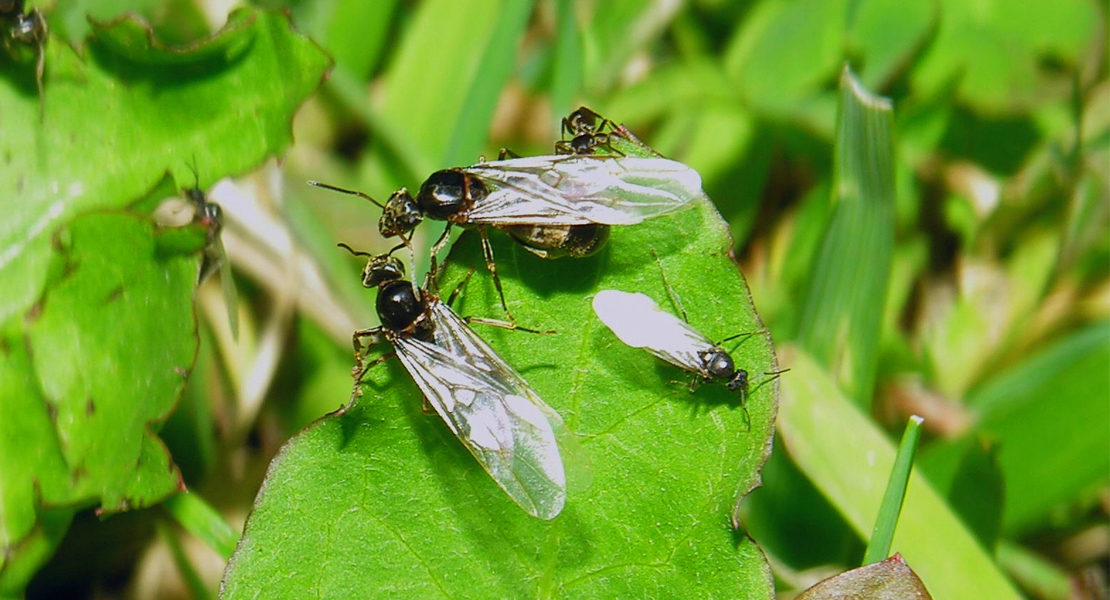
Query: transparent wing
x,y
492,410
231,294
577,190
639,322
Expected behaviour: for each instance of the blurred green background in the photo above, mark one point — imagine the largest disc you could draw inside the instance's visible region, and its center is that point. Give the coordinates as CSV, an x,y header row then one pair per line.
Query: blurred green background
x,y
977,295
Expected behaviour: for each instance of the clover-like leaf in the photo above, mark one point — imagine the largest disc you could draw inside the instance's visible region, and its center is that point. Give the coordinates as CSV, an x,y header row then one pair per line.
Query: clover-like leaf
x,y
97,330
114,123
384,500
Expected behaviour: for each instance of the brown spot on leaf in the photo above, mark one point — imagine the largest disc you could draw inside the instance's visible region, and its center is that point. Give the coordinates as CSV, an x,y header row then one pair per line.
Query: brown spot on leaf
x,y
90,407
114,295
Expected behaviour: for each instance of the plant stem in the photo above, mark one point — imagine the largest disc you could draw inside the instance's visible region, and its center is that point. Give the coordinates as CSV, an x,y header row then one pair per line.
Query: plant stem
x,y
879,546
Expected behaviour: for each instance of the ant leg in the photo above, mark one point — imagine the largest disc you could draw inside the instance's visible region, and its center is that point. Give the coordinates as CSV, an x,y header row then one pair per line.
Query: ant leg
x,y
487,250
739,335
563,147
40,70
506,153
433,269
375,335
506,325
459,288
670,290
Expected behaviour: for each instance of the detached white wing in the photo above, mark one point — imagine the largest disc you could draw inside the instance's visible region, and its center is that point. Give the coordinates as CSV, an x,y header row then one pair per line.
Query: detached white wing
x,y
639,322
492,410
578,190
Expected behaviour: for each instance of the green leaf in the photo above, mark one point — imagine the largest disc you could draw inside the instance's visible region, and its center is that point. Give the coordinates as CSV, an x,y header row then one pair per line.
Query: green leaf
x,y
1046,414
385,498
973,483
202,521
356,34
104,360
142,118
993,50
615,31
111,349
891,579
784,51
841,318
886,34
851,469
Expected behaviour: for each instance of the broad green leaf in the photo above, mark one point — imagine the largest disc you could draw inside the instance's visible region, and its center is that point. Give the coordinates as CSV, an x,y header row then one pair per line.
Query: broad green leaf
x,y
613,31
143,117
105,357
891,579
973,483
849,460
785,50
994,49
383,499
886,34
841,318
1048,415
356,33
173,21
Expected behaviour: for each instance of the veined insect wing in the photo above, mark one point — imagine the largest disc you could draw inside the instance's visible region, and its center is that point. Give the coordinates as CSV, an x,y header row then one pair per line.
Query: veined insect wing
x,y
508,429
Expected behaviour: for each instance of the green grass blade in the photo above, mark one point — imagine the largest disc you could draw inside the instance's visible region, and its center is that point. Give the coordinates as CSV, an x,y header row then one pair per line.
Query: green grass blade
x,y
1049,416
841,317
202,521
356,33
878,547
185,568
849,459
566,78
495,66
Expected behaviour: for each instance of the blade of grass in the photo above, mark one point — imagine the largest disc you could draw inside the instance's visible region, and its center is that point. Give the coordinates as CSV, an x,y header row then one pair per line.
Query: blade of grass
x,y
201,520
1048,415
566,78
842,313
849,459
188,572
1038,575
412,161
471,130
878,548
356,33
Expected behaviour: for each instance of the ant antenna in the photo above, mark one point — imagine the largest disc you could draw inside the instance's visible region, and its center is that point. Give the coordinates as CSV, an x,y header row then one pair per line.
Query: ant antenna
x,y
345,191
353,251
196,174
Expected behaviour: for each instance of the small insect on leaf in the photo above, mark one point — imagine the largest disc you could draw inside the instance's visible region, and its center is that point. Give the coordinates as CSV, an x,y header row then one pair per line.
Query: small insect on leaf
x,y
485,403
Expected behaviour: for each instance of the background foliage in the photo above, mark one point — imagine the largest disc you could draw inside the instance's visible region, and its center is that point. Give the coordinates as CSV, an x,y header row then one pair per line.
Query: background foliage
x,y
971,288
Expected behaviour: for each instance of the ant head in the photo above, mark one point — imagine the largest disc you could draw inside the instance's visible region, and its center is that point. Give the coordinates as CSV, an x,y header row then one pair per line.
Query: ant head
x,y
401,214
381,270
738,382
583,120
